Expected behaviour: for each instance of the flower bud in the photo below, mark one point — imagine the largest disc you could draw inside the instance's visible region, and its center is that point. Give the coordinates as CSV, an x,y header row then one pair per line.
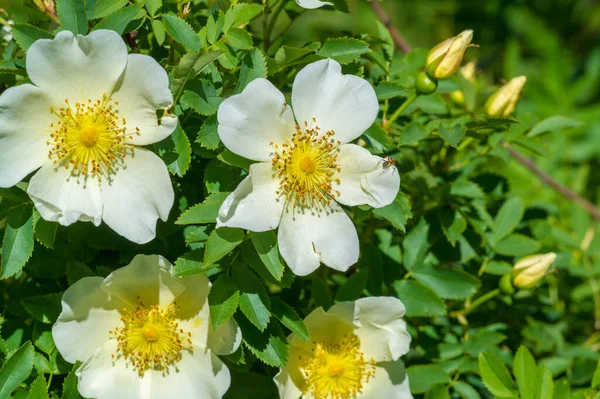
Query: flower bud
x,y
530,270
424,84
503,102
444,59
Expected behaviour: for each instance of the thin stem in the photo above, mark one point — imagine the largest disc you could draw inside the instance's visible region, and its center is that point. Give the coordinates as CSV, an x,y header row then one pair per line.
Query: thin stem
x,y
399,111
476,303
269,31
398,39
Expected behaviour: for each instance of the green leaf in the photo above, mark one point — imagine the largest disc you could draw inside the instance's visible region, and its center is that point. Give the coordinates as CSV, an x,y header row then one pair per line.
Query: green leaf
x,y
203,99
387,90
498,268
153,6
223,300
413,133
453,135
353,288
254,66
344,50
254,300
265,244
398,212
465,390
102,8
71,14
208,136
453,224
286,55
182,32
26,35
16,369
205,212
508,218
517,245
77,270
239,39
190,264
496,377
38,389
45,232
17,247
447,282
289,318
523,368
544,383
159,31
554,124
183,149
419,300
119,20
270,347
214,26
438,391
44,308
596,377
415,245
467,189
481,341
70,387
240,14
423,377
221,242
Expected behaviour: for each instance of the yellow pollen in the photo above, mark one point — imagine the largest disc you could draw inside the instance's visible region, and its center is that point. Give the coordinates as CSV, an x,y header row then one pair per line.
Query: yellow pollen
x,y
336,370
151,339
306,166
90,138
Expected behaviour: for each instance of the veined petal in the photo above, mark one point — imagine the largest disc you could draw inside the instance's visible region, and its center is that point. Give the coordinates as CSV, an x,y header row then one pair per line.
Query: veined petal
x,y
24,129
88,314
62,198
307,238
147,279
142,89
390,381
251,120
364,179
193,313
77,68
255,204
312,4
137,196
345,104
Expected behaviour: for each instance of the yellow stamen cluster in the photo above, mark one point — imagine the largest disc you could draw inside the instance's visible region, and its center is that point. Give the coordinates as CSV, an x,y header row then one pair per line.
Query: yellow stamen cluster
x,y
306,166
151,338
90,138
336,370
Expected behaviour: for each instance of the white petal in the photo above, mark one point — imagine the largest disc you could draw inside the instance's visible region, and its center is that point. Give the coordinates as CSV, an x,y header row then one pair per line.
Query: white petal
x,y
101,377
193,314
138,195
390,381
251,120
88,314
363,178
345,104
286,384
24,129
254,205
61,198
78,68
226,339
144,88
200,375
312,4
305,239
147,277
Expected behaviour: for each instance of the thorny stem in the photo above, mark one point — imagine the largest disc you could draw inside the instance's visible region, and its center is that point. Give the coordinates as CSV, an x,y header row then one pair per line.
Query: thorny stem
x,y
399,111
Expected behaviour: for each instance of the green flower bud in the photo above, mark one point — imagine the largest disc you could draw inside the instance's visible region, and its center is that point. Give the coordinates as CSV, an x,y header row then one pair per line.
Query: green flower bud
x,y
506,285
503,102
424,84
444,59
528,272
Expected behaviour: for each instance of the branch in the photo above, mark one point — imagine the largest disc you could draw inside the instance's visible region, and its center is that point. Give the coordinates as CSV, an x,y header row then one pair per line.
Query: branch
x,y
397,37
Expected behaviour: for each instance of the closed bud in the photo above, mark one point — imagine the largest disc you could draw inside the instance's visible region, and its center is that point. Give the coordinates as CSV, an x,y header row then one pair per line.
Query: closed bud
x,y
503,102
424,84
530,270
444,59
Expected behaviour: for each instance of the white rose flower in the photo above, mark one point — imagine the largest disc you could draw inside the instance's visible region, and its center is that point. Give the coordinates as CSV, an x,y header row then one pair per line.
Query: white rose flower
x,y
305,169
142,333
312,4
354,353
90,106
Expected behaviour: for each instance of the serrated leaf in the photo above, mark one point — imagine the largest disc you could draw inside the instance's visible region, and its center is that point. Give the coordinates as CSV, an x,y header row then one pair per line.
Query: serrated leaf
x,y
254,66
287,55
239,39
221,242
446,282
553,124
45,232
223,299
119,20
523,368
453,224
44,308
153,6
269,347
423,377
208,136
496,377
181,32
413,133
17,247
419,300
344,50
16,369
508,218
205,212
289,318
265,244
189,67
189,264
203,99
37,390
254,300
26,35
240,14
452,135
398,212
415,245
183,149
70,387
71,14
102,8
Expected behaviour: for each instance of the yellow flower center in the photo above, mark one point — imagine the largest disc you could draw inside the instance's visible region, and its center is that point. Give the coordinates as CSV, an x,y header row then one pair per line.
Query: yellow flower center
x,y
90,138
336,370
151,339
306,166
